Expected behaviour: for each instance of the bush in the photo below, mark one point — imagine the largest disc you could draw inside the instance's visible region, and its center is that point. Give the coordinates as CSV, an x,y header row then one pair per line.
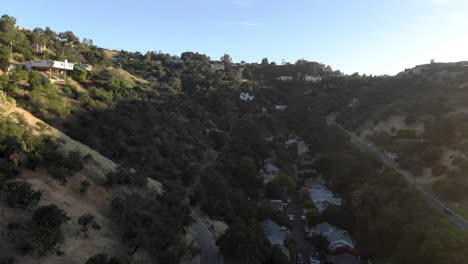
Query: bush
x,y
20,194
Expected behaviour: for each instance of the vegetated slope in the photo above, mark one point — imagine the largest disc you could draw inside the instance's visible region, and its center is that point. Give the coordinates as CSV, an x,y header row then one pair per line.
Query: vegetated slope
x,y
187,127
419,115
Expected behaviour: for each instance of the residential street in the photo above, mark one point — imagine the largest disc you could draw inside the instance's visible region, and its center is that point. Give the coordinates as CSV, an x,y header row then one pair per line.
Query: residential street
x,y
303,246
454,218
209,251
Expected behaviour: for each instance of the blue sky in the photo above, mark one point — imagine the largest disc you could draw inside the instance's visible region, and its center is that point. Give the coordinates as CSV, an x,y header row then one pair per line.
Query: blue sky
x,y
365,36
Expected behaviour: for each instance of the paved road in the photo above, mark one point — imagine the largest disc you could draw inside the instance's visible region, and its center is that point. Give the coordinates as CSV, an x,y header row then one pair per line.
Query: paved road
x,y
209,251
303,246
454,218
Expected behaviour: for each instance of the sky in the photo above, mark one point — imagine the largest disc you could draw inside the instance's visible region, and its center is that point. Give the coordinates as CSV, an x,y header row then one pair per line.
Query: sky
x,y
366,36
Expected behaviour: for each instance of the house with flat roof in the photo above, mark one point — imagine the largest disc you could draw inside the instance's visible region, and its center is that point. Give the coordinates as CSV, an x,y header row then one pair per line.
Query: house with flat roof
x,y
339,239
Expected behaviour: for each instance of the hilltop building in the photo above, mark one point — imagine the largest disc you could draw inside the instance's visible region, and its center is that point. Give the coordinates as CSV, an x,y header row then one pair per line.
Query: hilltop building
x,y
217,66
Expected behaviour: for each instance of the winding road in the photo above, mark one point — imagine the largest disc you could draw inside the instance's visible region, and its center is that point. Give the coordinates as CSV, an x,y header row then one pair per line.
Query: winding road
x,y
454,218
209,250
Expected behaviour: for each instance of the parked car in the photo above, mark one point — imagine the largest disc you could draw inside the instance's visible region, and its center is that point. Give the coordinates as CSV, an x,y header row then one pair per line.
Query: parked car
x,y
303,217
283,228
291,217
289,200
306,229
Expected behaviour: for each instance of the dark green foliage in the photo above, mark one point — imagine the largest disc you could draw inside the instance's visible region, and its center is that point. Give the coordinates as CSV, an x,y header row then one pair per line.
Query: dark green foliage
x,y
50,216
84,186
34,80
87,222
244,243
59,174
154,224
104,259
123,177
48,240
20,194
5,53
7,260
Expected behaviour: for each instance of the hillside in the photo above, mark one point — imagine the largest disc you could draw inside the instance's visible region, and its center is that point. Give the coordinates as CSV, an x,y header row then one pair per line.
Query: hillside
x,y
205,149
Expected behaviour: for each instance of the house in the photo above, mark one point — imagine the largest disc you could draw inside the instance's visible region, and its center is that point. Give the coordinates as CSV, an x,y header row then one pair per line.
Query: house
x,y
152,79
271,169
246,97
323,197
39,49
177,60
344,258
280,107
339,239
285,78
22,28
309,78
275,235
217,66
45,65
302,147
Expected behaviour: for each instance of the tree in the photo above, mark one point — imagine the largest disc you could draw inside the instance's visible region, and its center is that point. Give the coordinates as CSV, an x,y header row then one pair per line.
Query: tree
x,y
60,174
313,217
50,33
68,36
87,221
74,162
265,61
20,194
5,54
48,240
7,28
84,186
226,59
39,31
320,242
50,216
245,243
34,80
103,259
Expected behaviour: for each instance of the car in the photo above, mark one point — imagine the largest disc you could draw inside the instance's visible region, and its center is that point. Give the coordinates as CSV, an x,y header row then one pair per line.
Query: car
x,y
306,229
289,200
303,217
447,211
283,228
291,217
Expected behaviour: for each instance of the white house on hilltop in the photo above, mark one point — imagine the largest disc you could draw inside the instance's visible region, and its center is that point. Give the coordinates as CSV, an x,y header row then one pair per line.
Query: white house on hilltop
x,y
285,78
309,78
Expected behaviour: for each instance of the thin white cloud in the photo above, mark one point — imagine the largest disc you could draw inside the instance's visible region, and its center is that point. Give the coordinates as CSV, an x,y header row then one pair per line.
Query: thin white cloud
x,y
243,2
